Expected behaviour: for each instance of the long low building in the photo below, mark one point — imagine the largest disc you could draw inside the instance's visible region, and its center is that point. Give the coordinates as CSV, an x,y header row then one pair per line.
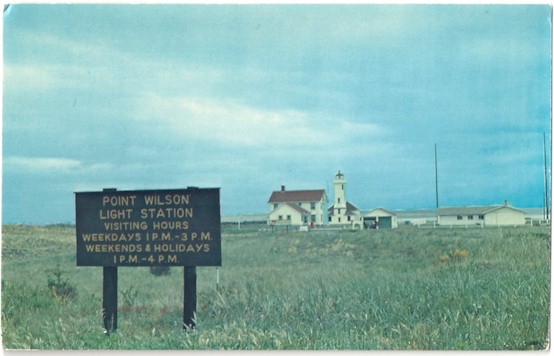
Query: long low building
x,y
497,215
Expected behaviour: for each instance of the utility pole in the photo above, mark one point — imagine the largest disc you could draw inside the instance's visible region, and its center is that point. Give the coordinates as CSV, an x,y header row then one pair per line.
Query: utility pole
x,y
546,203
436,181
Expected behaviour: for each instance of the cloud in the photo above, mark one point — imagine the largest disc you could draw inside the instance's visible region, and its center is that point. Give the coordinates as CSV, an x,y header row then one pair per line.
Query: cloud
x,y
38,164
51,165
232,123
23,77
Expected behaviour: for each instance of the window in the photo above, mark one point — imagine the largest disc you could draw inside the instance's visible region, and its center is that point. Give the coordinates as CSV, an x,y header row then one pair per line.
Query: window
x,y
312,205
338,211
459,217
338,200
313,218
280,217
288,217
299,204
305,219
470,217
348,218
481,217
339,219
275,206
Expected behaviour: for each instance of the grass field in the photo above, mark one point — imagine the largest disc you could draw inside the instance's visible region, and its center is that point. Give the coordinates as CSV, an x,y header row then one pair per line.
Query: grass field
x,y
423,289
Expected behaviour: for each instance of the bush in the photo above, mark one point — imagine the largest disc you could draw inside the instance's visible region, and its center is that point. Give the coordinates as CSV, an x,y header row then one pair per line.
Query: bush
x,y
61,289
160,271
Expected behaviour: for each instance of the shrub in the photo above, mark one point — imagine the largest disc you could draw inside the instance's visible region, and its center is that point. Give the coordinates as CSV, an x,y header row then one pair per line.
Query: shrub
x,y
61,289
160,271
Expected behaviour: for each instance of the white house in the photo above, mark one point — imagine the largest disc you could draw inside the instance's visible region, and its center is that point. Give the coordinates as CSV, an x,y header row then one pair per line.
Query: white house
x,y
380,219
297,207
342,212
498,215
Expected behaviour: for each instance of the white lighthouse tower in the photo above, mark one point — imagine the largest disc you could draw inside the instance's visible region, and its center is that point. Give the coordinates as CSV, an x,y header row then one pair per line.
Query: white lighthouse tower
x,y
342,212
340,194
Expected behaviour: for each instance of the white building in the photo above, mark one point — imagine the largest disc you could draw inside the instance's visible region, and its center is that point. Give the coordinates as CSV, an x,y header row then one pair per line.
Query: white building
x,y
498,215
297,207
380,219
342,212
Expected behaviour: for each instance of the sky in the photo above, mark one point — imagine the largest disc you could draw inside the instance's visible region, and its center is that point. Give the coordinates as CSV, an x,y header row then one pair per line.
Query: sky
x,y
251,97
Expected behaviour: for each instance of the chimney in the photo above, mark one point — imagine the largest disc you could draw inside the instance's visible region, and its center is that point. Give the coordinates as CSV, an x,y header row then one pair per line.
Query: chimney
x,y
505,203
282,188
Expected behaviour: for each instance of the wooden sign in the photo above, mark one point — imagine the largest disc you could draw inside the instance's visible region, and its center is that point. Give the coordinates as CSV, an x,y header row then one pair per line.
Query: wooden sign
x,y
149,228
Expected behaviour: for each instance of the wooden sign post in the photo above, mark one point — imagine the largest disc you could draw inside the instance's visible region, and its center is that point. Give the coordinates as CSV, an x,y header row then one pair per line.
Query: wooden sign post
x,y
109,299
148,228
189,300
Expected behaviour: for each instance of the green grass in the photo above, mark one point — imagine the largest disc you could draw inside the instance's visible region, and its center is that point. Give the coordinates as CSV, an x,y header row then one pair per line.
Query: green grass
x,y
474,289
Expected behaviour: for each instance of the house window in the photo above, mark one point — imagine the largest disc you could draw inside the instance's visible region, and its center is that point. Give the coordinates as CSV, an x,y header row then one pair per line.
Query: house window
x,y
288,217
338,211
338,200
459,217
312,205
339,219
470,217
275,206
299,204
305,219
348,218
313,218
280,217
481,217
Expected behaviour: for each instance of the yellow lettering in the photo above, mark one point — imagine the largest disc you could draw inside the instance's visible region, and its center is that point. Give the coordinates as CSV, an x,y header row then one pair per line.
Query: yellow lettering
x,y
205,236
114,214
118,200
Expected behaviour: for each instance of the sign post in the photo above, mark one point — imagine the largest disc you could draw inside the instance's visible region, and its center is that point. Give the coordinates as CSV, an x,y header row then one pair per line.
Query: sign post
x,y
109,294
148,228
189,300
109,299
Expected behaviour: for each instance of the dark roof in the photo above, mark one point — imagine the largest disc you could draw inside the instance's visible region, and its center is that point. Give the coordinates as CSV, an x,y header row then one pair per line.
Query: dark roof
x,y
292,196
472,210
350,208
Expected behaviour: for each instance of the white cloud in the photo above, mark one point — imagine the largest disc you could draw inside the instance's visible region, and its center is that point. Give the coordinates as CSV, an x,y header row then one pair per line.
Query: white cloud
x,y
28,76
234,123
51,165
39,164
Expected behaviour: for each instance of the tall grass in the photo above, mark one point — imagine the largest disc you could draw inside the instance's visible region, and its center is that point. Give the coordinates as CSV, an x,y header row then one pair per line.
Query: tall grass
x,y
296,291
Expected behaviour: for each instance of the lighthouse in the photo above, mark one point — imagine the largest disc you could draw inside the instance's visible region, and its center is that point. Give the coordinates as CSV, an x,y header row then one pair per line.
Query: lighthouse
x,y
342,212
340,193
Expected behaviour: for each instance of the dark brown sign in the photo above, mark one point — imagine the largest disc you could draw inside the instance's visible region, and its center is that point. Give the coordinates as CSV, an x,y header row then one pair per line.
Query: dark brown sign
x,y
149,228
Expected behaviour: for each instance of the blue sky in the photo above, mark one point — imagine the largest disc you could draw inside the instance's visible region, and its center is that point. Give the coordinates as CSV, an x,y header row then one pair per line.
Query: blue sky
x,y
250,97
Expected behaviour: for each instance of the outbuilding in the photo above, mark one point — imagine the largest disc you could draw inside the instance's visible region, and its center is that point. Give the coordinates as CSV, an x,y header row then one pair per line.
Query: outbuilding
x,y
380,219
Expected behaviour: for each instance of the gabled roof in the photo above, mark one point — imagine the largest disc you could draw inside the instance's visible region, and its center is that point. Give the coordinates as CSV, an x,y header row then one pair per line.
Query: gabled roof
x,y
292,196
299,209
293,207
372,212
350,209
472,210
